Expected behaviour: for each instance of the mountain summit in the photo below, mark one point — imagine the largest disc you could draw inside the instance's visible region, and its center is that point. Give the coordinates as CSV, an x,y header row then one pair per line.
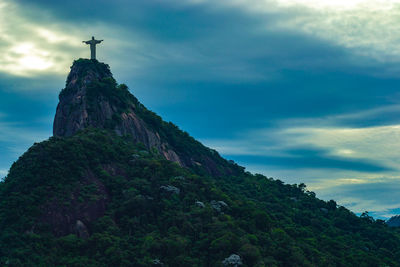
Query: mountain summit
x,y
118,186
92,98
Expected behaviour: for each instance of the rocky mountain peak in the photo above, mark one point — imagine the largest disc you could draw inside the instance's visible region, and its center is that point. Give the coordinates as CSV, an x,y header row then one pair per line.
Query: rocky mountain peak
x,y
92,98
72,111
87,71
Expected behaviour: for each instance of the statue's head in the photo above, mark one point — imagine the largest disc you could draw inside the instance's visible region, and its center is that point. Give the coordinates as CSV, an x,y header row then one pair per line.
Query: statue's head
x,y
92,37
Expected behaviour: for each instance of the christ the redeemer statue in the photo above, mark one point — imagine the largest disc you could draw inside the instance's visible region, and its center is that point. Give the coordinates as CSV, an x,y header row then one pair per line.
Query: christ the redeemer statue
x,y
92,44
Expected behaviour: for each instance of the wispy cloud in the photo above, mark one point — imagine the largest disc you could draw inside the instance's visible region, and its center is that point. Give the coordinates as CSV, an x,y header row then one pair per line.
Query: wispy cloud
x,y
358,191
379,196
319,146
339,136
364,26
334,156
30,49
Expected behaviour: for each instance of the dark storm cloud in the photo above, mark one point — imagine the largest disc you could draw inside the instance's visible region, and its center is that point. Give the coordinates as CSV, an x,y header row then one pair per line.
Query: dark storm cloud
x,y
225,65
228,62
306,158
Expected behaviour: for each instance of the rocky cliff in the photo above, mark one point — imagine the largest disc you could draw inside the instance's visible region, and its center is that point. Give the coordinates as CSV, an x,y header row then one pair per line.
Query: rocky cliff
x,y
92,98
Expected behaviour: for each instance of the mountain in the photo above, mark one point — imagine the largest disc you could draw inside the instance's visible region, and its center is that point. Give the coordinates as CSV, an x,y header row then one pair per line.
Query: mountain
x,y
394,221
118,186
92,98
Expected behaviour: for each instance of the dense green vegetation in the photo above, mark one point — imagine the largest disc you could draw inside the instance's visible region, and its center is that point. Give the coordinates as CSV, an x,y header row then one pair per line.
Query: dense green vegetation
x,y
266,222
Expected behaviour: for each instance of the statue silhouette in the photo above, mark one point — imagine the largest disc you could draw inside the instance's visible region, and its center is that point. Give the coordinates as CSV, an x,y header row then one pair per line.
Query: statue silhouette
x,y
92,44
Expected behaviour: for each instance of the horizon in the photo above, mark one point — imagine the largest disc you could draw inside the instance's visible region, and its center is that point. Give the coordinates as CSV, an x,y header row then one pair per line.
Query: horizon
x,y
302,91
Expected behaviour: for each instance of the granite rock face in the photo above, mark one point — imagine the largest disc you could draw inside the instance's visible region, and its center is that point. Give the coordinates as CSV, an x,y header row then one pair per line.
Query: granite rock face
x,y
200,204
218,205
72,111
92,98
80,107
233,260
170,189
81,230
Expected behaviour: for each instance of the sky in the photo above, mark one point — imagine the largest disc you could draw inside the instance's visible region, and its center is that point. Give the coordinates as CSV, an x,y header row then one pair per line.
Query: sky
x,y
305,91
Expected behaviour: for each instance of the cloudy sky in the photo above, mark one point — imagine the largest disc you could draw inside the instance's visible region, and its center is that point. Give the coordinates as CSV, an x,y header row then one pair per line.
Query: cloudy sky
x,y
299,90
